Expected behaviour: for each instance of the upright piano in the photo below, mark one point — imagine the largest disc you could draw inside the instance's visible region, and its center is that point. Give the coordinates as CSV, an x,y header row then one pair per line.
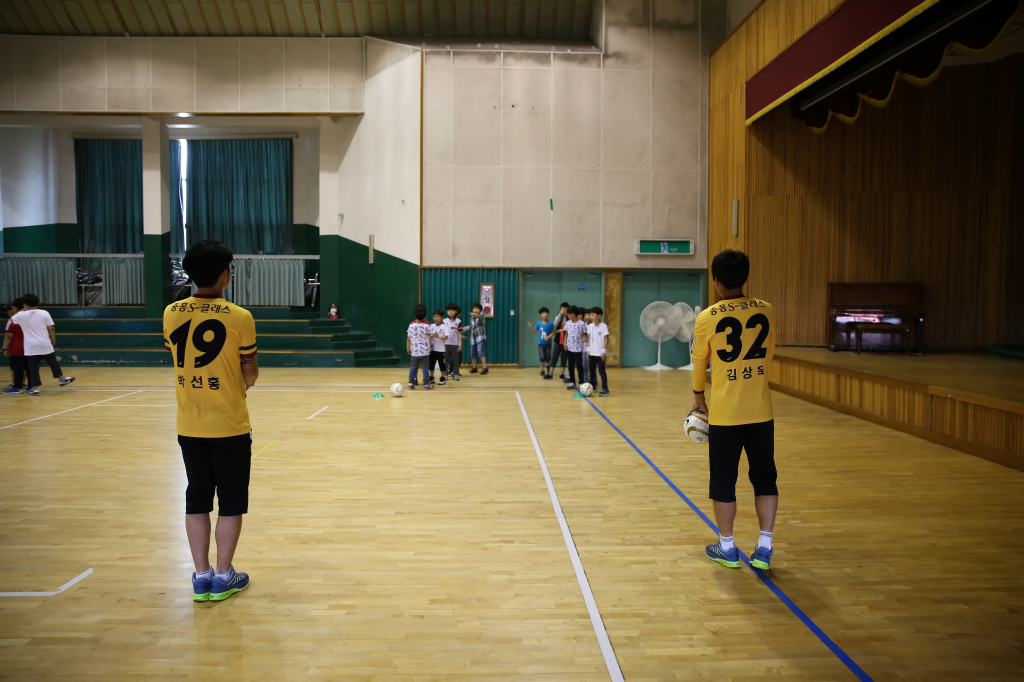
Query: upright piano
x,y
876,304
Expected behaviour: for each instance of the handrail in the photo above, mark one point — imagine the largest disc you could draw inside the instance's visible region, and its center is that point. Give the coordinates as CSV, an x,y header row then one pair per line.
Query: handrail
x,y
253,256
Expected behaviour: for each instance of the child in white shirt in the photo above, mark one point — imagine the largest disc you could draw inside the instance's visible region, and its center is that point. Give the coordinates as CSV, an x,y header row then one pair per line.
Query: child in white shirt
x,y
439,333
37,328
575,329
453,341
597,342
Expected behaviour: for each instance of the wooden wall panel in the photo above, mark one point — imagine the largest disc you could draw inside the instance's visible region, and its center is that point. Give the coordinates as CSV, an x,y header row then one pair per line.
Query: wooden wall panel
x,y
994,430
921,190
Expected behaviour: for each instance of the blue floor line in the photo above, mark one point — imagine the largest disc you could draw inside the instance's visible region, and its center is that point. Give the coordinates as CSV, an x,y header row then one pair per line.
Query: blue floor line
x,y
776,590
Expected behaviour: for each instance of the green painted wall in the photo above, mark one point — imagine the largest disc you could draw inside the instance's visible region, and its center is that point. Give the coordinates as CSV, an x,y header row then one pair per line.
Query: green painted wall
x,y
378,299
643,287
54,238
441,286
157,264
549,288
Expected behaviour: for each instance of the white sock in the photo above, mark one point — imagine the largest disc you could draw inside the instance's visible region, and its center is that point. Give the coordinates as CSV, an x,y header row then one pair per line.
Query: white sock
x,y
726,542
764,539
208,573
225,575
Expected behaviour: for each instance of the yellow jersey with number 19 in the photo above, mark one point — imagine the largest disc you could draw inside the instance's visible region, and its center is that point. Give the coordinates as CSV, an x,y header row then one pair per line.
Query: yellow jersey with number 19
x,y
738,336
208,338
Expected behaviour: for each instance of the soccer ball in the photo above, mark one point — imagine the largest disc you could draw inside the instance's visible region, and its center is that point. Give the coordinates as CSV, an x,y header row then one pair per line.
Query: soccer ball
x,y
696,426
397,390
586,389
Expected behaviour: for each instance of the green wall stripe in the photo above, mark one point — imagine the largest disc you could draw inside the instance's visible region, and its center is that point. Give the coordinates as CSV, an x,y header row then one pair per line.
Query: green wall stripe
x,y
441,286
52,238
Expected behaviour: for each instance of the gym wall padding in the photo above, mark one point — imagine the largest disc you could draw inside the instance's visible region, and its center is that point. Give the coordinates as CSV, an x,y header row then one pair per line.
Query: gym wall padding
x,y
441,286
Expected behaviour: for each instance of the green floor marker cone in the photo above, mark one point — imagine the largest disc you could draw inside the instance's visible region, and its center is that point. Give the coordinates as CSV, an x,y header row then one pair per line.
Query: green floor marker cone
x,y
378,395
578,395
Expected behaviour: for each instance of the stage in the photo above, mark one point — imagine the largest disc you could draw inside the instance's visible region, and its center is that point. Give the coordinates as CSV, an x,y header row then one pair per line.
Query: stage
x,y
969,401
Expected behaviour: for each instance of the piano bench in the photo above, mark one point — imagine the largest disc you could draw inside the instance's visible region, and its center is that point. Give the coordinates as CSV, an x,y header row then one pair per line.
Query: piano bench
x,y
882,328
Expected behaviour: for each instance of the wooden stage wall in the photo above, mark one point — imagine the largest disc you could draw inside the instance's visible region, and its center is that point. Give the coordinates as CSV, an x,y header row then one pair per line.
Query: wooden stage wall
x,y
985,427
920,190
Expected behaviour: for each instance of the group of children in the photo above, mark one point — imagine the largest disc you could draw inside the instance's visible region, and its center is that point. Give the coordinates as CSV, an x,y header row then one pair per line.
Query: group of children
x,y
29,338
573,332
440,344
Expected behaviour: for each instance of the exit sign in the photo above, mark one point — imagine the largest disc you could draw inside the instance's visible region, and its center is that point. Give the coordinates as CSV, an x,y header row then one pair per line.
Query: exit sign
x,y
664,247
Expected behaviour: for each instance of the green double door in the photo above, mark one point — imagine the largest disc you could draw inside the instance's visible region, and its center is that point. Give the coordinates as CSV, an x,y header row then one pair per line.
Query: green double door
x,y
549,288
643,287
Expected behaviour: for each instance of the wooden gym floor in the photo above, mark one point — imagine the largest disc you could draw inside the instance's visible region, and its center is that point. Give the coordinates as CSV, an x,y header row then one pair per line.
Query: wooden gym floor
x,y
415,539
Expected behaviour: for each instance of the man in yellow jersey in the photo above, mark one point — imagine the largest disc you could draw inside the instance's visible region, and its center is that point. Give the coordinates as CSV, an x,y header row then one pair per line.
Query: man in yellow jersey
x,y
214,347
738,335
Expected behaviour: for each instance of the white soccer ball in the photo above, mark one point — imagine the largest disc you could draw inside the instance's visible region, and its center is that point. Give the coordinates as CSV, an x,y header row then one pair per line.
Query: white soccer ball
x,y
397,389
696,426
586,389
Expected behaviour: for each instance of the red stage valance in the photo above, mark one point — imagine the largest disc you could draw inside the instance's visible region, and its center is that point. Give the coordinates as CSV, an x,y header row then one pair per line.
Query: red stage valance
x,y
843,34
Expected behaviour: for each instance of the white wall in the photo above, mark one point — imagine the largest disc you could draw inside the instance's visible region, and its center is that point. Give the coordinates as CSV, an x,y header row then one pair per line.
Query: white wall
x,y
305,175
37,176
377,157
618,142
253,75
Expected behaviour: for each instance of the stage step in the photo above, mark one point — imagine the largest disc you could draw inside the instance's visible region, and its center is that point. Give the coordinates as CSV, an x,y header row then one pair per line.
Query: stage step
x,y
137,357
156,341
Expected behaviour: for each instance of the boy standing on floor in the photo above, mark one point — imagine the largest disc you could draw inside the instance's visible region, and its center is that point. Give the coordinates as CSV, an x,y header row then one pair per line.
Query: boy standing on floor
x,y
14,347
214,347
478,339
597,342
40,338
574,330
740,332
545,330
438,334
558,347
417,345
453,340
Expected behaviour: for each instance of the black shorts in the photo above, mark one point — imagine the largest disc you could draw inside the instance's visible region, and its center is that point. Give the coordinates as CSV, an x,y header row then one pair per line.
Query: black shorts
x,y
544,351
724,446
221,465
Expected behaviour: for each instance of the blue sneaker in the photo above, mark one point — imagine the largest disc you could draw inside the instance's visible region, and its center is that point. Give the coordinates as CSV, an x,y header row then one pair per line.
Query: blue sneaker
x,y
12,389
222,588
201,586
730,558
761,557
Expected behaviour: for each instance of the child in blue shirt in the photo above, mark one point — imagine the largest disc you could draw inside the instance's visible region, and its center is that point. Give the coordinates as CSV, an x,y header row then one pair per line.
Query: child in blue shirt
x,y
545,330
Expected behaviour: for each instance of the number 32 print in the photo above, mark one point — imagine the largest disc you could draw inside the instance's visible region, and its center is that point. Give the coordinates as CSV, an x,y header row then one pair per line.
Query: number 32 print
x,y
733,331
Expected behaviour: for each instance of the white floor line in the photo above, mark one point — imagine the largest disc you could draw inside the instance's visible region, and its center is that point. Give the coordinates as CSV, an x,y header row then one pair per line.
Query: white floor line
x,y
318,412
134,405
60,589
588,596
66,411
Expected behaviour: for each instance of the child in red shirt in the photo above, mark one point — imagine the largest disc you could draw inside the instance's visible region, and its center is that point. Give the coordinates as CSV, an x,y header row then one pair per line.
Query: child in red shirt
x,y
14,347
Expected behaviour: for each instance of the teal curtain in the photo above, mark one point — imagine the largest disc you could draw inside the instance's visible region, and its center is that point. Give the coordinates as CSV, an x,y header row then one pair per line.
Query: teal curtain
x,y
108,195
177,222
240,192
51,279
441,286
124,281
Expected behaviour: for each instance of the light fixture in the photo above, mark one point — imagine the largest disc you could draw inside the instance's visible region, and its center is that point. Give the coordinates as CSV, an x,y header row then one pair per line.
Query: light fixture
x,y
184,115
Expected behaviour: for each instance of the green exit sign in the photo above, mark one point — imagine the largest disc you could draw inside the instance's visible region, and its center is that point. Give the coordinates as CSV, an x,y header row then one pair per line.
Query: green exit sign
x,y
664,247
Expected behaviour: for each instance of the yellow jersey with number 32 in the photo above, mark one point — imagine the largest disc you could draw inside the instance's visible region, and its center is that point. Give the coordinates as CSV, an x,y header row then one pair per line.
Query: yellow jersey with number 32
x,y
738,336
208,337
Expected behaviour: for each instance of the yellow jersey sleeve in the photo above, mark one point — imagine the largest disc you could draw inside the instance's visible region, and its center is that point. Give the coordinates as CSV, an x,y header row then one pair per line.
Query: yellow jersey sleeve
x,y
246,335
701,352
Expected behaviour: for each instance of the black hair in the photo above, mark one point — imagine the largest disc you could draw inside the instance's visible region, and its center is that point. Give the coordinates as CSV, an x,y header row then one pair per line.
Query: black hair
x,y
439,312
563,305
543,310
30,299
421,312
206,261
451,306
477,305
597,310
731,268
574,310
16,303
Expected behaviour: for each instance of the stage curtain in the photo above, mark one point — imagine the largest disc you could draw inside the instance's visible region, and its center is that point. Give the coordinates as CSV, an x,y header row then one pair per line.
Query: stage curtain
x,y
177,218
240,192
108,196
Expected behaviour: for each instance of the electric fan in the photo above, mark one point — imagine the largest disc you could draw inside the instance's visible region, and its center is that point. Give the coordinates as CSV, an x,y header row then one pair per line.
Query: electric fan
x,y
659,322
685,333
